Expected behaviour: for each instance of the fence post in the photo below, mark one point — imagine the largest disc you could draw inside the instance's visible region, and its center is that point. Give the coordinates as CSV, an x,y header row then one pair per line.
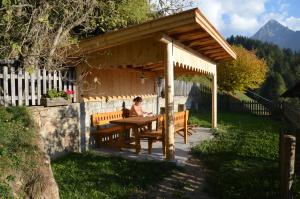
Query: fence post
x,y
26,89
12,86
39,93
5,85
32,85
20,87
287,163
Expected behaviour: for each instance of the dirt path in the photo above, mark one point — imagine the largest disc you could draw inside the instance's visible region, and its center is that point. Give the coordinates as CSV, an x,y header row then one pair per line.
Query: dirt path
x,y
187,183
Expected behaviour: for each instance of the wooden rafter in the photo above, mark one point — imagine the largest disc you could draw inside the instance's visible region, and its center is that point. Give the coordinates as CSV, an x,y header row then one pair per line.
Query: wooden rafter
x,y
209,52
208,47
219,54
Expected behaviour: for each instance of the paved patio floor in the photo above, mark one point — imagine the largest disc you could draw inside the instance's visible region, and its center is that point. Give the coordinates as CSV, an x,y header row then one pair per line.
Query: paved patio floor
x,y
181,154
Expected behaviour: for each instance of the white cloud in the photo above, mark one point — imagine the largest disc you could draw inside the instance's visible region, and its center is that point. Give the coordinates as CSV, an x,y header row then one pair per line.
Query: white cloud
x,y
243,24
246,17
214,11
293,23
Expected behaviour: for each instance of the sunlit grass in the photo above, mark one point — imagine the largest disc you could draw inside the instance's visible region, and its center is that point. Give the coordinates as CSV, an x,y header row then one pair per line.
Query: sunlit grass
x,y
91,175
243,156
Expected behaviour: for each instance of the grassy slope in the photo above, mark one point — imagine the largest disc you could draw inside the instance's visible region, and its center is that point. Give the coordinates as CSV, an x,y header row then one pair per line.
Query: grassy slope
x,y
18,153
91,175
243,157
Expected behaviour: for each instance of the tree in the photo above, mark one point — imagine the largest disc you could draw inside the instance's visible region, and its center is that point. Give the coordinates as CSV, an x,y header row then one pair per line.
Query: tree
x,y
166,7
246,72
282,61
274,86
40,32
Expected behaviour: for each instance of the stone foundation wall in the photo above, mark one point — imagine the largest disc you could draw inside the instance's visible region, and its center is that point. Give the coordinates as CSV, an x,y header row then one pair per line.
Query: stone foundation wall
x,y
59,128
67,128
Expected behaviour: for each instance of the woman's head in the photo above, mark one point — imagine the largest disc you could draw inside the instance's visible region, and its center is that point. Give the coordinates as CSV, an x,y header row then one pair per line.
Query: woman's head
x,y
137,100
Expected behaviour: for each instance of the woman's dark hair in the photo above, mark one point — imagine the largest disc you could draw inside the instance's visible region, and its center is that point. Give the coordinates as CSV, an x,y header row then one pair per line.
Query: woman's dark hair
x,y
138,99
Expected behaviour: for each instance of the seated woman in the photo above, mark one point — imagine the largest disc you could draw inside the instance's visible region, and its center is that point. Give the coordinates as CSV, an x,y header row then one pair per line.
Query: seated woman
x,y
136,109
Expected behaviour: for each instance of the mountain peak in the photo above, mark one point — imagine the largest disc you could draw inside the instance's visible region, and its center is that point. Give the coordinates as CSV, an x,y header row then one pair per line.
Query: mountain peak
x,y
275,32
273,22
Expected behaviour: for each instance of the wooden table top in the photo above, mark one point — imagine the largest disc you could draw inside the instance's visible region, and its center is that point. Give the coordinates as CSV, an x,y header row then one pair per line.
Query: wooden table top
x,y
135,120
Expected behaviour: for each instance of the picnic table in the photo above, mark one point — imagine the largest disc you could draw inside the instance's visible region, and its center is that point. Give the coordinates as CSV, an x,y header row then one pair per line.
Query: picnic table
x,y
135,123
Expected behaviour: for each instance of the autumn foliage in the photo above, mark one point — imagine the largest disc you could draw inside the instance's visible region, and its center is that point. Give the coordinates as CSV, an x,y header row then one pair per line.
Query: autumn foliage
x,y
246,72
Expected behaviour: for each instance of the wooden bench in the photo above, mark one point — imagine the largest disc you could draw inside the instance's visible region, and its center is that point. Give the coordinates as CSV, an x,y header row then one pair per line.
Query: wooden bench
x,y
181,124
157,135
106,133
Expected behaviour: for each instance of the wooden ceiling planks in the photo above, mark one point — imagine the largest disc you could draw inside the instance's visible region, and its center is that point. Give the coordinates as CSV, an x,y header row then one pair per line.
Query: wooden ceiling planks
x,y
200,43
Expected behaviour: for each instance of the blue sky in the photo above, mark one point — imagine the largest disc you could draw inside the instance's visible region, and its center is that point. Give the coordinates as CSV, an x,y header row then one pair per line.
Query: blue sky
x,y
245,17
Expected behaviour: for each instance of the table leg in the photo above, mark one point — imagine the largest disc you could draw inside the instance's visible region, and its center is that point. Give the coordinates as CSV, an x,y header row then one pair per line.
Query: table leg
x,y
150,126
121,141
137,140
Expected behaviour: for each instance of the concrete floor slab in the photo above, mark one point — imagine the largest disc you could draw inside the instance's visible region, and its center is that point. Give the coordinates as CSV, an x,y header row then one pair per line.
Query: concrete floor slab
x,y
182,152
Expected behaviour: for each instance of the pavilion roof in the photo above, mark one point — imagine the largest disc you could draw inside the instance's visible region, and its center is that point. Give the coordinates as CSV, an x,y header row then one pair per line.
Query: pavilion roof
x,y
189,28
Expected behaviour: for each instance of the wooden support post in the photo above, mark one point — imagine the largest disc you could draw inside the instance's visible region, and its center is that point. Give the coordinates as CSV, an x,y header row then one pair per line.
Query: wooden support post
x,y
169,103
214,102
287,163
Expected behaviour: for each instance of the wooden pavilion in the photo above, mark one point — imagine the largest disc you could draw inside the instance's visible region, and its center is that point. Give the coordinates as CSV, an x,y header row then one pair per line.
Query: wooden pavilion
x,y
181,44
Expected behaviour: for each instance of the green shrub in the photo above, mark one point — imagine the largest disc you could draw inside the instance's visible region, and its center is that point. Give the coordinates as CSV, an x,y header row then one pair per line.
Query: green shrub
x,y
54,93
296,187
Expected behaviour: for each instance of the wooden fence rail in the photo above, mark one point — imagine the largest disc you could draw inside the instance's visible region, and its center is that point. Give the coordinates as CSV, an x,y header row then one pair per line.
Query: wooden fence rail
x,y
19,87
252,107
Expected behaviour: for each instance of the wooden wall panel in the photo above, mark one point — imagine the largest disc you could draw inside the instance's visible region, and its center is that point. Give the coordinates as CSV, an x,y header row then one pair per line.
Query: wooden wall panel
x,y
133,53
115,83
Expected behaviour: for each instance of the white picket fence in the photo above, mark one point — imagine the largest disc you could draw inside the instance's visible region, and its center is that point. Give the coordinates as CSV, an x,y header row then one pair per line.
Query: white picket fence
x,y
19,87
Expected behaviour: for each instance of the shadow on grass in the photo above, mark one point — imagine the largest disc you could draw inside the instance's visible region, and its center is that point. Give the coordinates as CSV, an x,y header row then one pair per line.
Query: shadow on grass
x,y
242,158
91,175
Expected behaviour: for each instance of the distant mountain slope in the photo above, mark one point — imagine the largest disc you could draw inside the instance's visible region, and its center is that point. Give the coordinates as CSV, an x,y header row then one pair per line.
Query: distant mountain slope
x,y
274,32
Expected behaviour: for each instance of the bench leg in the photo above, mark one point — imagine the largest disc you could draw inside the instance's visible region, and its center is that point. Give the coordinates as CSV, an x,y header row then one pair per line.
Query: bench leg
x,y
150,146
110,140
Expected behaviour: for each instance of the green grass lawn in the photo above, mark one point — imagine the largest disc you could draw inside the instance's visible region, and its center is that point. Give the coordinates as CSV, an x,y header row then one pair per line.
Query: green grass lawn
x,y
242,159
91,175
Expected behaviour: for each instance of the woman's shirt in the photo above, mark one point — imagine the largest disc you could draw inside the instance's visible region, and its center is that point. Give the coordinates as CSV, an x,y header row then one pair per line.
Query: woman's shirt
x,y
136,111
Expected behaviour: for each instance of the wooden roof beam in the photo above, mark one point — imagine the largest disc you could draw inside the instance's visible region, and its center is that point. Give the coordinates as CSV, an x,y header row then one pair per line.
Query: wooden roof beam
x,y
195,34
201,43
209,47
187,28
218,54
224,58
208,52
153,66
208,27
